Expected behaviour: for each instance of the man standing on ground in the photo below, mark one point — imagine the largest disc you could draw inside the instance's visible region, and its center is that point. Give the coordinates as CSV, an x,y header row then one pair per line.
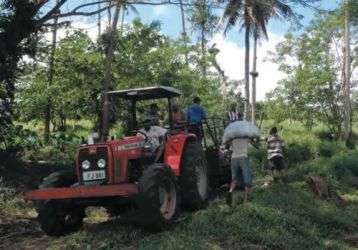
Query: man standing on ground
x,y
240,167
195,117
275,147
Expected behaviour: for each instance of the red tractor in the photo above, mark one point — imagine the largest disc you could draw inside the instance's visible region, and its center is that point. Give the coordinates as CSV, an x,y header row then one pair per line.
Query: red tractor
x,y
121,176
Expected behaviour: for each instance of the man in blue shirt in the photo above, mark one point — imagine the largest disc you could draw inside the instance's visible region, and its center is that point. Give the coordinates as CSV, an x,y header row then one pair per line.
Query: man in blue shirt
x,y
195,117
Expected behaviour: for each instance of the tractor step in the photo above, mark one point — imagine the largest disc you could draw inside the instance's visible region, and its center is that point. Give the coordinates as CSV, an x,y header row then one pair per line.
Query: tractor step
x,y
124,190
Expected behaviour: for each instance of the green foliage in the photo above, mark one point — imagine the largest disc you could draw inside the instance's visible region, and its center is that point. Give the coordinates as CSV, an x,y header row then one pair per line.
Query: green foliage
x,y
75,87
11,203
16,25
324,135
311,91
298,152
327,149
346,169
258,156
143,57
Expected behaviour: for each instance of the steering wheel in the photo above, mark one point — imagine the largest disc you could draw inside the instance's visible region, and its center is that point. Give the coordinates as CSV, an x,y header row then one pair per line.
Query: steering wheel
x,y
142,133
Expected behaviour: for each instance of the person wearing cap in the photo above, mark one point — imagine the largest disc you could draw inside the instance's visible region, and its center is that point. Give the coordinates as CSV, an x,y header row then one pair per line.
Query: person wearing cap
x,y
195,116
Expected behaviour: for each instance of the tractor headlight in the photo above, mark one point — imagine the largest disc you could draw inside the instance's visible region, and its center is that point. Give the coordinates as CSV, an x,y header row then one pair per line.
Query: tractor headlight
x,y
86,164
101,163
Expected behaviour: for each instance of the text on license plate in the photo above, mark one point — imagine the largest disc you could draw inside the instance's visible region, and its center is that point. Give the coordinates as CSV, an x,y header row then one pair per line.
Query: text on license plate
x,y
94,175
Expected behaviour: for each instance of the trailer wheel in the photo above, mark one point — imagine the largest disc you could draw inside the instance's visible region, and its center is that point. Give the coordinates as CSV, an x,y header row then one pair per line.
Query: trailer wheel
x,y
158,198
59,218
193,178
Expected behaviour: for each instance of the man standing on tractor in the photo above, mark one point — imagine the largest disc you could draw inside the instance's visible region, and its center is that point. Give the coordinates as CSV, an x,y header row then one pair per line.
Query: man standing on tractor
x,y
196,115
178,116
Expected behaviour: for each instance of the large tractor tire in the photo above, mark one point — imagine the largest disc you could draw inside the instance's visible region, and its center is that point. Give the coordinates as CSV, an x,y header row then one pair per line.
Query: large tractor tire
x,y
58,217
158,198
193,178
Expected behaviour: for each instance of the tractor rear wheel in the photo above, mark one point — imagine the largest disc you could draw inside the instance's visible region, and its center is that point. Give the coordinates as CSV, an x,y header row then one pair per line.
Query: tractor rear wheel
x,y
158,198
59,217
193,178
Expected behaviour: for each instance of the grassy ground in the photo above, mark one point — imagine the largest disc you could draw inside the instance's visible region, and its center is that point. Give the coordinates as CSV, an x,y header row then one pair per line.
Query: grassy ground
x,y
277,217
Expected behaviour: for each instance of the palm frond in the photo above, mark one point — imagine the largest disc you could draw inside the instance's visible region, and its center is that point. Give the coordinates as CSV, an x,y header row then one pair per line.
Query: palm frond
x,y
133,9
232,13
282,9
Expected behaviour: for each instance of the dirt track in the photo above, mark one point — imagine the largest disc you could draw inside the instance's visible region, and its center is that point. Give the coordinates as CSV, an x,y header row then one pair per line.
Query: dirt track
x,y
18,226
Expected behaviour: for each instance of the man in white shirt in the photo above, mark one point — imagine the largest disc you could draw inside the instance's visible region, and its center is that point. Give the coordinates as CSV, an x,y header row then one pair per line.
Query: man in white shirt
x,y
155,134
240,166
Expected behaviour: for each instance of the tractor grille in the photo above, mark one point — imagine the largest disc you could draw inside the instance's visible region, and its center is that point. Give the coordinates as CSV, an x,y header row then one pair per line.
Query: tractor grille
x,y
86,154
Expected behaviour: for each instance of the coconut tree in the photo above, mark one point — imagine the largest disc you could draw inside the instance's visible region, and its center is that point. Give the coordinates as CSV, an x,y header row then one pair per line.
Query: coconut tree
x,y
253,16
204,21
50,77
183,33
112,39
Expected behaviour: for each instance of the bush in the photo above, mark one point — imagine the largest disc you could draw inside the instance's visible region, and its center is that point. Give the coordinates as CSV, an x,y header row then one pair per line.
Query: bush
x,y
327,149
60,150
258,156
298,152
346,169
325,135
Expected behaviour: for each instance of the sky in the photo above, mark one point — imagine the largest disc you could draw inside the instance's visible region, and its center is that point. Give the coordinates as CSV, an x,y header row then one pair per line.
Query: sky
x,y
231,55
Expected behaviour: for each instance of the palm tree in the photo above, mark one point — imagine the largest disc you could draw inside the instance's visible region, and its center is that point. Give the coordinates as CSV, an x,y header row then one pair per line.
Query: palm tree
x,y
253,16
50,78
112,27
204,21
184,34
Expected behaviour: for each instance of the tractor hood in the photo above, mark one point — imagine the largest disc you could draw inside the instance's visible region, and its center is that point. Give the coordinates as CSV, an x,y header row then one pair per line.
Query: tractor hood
x,y
105,163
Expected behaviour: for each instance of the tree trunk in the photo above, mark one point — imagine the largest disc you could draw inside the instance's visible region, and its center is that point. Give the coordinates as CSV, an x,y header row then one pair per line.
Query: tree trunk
x,y
108,72
347,62
254,75
50,80
184,35
99,20
247,74
203,39
122,21
203,51
109,14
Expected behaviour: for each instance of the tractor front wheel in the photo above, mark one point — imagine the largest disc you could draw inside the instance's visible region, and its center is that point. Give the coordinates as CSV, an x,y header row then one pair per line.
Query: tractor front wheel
x,y
158,198
58,218
193,178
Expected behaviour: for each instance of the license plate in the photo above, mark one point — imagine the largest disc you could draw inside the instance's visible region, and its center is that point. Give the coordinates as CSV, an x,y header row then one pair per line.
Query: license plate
x,y
94,175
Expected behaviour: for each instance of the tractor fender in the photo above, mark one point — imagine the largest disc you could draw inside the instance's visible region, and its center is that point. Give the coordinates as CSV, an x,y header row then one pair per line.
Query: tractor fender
x,y
174,148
